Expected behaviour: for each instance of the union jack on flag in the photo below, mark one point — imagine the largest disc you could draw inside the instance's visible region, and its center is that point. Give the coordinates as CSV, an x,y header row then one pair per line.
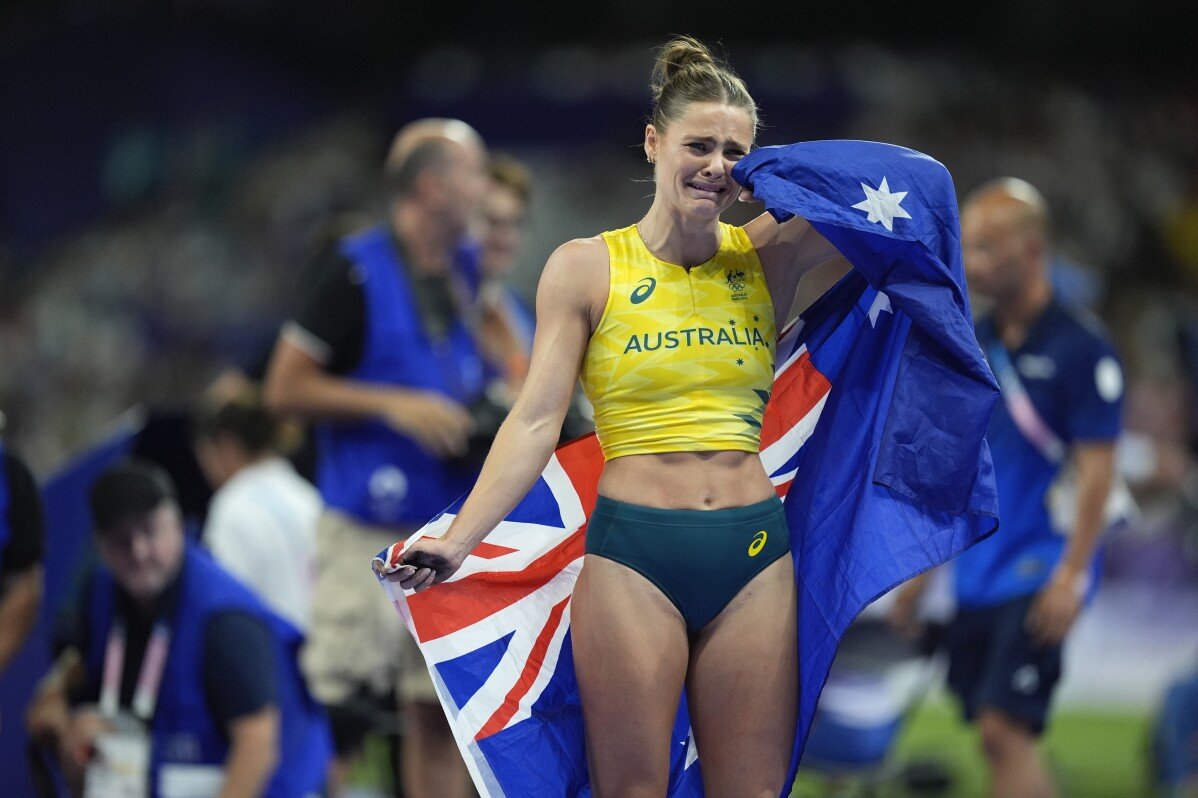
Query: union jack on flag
x,y
874,437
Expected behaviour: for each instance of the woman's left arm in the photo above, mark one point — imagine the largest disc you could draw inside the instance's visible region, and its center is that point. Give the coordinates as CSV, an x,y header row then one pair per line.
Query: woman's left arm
x,y
787,251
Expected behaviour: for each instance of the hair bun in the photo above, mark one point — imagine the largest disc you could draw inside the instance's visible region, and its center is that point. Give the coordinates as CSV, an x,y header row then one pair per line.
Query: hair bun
x,y
675,56
687,72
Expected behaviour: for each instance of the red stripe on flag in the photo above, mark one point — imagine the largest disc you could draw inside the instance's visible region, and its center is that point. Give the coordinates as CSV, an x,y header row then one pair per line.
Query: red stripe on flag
x,y
454,606
796,391
582,460
528,675
489,551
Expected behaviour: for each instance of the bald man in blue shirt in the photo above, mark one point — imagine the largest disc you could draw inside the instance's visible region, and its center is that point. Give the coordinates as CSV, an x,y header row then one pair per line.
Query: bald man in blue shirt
x,y
1020,591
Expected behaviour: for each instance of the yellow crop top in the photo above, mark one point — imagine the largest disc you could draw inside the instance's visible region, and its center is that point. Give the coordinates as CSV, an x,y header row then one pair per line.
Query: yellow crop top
x,y
682,360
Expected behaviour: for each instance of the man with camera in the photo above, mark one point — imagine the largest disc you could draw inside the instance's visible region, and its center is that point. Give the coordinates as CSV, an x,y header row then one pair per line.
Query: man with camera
x,y
174,679
383,357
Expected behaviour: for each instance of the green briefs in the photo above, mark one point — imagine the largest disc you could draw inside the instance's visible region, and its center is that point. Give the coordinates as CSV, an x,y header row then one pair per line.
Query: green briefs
x,y
700,559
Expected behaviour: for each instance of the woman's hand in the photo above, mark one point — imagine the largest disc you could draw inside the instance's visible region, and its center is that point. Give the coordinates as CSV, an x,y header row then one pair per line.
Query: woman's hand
x,y
428,562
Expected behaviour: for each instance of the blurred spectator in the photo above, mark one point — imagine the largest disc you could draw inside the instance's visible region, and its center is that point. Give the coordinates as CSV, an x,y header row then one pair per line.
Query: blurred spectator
x,y
1175,739
1020,591
507,321
381,355
21,542
179,681
261,523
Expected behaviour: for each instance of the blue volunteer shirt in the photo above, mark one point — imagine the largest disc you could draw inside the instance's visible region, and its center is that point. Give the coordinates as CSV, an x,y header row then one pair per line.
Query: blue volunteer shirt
x,y
1074,380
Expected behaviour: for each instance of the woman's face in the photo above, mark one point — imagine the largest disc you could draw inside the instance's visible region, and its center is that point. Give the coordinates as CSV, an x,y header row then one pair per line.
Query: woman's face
x,y
694,157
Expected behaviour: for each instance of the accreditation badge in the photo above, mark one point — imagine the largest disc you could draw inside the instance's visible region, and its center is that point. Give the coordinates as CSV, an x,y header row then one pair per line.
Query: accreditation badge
x,y
190,781
120,767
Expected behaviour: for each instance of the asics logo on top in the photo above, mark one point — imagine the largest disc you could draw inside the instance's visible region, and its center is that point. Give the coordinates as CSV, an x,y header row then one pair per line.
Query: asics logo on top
x,y
642,291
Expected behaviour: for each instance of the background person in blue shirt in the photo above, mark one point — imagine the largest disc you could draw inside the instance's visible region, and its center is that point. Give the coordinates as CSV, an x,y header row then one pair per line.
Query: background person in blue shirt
x,y
1020,591
170,649
384,357
22,536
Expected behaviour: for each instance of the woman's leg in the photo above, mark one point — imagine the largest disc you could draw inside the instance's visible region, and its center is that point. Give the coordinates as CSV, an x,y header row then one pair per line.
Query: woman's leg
x,y
742,688
630,655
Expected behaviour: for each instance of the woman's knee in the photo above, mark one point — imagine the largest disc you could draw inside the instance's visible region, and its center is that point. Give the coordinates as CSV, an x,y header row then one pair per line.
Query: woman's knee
x,y
768,792
632,791
764,782
621,782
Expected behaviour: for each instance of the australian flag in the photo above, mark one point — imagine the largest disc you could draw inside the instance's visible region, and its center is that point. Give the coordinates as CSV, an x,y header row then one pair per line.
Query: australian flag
x,y
874,437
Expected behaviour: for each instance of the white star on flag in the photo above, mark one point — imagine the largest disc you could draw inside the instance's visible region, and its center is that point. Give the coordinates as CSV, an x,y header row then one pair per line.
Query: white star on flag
x,y
881,303
882,206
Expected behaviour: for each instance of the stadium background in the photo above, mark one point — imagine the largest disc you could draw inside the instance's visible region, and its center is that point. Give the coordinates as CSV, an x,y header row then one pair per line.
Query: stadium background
x,y
167,167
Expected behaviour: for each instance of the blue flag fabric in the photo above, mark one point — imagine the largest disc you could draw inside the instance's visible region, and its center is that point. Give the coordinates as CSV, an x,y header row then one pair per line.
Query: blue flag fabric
x,y
874,436
897,476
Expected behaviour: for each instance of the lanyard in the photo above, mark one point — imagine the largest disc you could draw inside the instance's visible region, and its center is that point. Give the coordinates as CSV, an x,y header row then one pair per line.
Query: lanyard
x,y
1027,419
145,696
460,376
1062,497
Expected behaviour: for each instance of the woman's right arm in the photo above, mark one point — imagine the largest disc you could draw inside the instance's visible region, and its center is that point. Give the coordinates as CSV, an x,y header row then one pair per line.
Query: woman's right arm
x,y
570,299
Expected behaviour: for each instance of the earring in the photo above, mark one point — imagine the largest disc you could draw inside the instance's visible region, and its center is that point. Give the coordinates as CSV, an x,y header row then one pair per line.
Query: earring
x,y
648,159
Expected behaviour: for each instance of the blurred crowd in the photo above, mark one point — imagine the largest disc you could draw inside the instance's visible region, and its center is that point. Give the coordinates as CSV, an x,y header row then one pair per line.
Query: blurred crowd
x,y
145,308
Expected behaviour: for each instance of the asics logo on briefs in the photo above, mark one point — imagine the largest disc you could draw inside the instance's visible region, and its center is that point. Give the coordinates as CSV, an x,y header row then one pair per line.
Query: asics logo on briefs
x,y
642,291
758,543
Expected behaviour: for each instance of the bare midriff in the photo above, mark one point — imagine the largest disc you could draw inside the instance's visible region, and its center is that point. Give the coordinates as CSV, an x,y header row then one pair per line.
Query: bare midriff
x,y
687,480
